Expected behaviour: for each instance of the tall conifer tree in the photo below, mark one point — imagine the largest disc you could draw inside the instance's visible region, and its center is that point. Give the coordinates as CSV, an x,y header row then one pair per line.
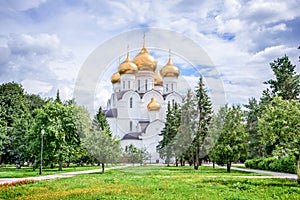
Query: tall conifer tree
x,y
204,115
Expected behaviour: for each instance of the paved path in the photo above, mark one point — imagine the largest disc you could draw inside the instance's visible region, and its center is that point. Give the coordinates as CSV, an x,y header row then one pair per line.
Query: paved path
x,y
269,173
55,176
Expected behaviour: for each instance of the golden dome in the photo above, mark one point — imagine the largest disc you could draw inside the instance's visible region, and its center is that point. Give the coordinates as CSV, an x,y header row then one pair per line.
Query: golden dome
x,y
153,105
144,61
115,78
157,79
127,67
169,70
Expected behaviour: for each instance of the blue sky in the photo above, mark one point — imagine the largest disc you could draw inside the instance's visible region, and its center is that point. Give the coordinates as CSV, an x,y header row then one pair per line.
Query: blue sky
x,y
44,43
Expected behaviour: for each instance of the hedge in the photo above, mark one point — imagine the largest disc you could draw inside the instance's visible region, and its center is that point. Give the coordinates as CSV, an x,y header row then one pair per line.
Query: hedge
x,y
285,164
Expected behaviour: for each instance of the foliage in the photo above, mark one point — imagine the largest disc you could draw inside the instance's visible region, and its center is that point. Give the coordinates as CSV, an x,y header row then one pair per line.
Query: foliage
x,y
231,144
165,147
34,101
15,122
100,122
287,82
61,139
255,147
202,122
285,164
135,155
102,147
99,141
279,125
184,137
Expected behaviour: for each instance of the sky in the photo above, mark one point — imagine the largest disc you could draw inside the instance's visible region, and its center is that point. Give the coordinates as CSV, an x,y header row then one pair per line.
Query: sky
x,y
45,43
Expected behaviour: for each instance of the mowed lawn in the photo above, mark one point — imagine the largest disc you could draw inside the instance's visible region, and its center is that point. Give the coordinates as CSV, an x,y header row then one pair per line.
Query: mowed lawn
x,y
157,182
12,172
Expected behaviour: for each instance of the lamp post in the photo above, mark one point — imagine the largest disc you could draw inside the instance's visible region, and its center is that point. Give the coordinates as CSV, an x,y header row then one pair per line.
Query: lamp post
x,y
42,140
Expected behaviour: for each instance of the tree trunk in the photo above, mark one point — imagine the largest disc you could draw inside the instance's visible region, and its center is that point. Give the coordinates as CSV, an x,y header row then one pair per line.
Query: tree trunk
x,y
196,163
60,165
176,162
228,166
102,164
213,164
168,161
297,169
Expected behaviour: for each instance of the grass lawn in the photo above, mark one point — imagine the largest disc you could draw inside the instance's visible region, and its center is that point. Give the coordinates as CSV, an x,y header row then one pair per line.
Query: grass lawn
x,y
12,172
157,182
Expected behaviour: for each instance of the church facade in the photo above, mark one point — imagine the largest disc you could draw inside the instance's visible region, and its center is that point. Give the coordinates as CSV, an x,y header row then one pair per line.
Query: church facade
x,y
137,108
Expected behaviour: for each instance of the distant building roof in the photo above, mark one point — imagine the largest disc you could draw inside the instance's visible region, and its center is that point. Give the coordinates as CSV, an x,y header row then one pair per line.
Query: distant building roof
x,y
112,113
132,136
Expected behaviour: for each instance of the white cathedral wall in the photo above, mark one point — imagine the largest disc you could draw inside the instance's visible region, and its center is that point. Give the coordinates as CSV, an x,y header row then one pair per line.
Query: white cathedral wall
x,y
127,82
151,138
144,78
170,84
113,126
174,96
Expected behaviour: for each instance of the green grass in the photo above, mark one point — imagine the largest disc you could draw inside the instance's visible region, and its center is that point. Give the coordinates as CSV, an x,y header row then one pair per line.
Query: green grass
x,y
156,182
12,172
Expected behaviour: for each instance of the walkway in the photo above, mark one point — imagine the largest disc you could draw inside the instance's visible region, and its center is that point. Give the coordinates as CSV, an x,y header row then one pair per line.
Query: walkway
x,y
55,176
272,174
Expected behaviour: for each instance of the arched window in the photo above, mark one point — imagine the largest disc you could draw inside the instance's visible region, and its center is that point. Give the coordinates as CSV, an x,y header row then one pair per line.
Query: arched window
x,y
173,102
130,102
167,88
139,85
146,85
130,126
172,87
128,84
123,84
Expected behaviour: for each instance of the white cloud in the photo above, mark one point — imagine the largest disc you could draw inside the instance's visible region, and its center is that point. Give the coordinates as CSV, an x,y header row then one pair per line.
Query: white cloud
x,y
8,5
29,44
40,62
36,87
241,37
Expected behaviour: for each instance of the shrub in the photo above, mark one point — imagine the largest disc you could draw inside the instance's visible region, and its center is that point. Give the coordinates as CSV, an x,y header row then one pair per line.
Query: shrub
x,y
285,164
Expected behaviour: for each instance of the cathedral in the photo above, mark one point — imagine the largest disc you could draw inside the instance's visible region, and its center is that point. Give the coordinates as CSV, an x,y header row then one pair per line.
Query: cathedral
x,y
137,108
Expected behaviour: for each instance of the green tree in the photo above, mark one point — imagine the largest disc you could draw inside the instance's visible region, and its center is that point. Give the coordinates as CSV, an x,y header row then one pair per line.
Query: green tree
x,y
3,132
232,142
100,122
204,115
165,146
214,132
57,99
99,142
184,137
135,155
16,120
61,139
176,125
103,147
279,125
255,148
34,101
286,85
287,82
